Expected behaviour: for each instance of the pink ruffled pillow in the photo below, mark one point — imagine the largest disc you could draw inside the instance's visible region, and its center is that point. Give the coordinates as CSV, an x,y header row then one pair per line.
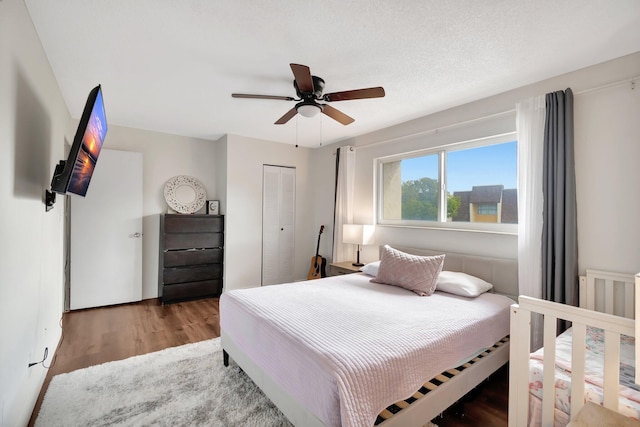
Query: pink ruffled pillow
x,y
415,273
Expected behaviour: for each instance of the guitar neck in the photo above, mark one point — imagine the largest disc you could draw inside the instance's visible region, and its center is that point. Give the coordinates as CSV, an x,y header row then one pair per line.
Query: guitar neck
x,y
318,245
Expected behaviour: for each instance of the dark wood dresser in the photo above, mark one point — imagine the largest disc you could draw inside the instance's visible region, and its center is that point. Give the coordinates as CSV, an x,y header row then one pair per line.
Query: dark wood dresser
x,y
191,256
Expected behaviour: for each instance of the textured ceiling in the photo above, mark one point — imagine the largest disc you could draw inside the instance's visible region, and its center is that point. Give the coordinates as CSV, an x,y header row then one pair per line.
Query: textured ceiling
x,y
171,66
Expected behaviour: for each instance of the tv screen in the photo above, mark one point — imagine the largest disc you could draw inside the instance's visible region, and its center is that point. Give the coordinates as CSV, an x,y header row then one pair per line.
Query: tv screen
x,y
74,174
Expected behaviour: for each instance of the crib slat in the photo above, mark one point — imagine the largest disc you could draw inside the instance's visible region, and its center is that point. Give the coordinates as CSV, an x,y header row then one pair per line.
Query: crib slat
x,y
549,371
519,349
629,296
590,297
582,292
608,296
611,369
579,338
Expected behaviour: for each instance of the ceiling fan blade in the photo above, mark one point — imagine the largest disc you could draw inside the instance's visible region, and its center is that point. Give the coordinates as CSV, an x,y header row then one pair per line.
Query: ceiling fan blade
x,y
287,116
336,114
372,92
302,74
247,95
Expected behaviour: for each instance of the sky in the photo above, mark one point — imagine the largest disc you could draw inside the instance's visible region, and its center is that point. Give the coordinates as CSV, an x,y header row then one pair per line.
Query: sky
x,y
489,165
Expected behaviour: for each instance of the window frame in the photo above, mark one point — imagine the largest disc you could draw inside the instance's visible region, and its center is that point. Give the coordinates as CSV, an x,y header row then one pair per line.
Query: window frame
x,y
441,151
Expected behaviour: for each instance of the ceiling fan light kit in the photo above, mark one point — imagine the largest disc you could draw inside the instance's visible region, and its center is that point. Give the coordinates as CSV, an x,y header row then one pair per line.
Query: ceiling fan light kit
x,y
308,110
309,90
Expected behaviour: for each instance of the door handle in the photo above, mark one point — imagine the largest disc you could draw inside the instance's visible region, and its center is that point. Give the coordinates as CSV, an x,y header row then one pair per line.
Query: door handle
x,y
136,235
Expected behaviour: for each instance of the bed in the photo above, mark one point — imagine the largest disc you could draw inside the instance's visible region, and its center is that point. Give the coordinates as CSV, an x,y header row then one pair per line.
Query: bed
x,y
300,344
600,370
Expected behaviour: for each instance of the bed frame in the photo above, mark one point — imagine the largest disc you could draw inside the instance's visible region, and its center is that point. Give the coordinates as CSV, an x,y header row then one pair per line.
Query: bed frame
x,y
503,273
612,294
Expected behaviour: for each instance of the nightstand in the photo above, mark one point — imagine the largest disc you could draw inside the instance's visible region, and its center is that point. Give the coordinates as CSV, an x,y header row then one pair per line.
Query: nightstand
x,y
338,268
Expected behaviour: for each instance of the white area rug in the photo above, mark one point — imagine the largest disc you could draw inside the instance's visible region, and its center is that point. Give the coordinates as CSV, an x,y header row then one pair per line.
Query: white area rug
x,y
179,386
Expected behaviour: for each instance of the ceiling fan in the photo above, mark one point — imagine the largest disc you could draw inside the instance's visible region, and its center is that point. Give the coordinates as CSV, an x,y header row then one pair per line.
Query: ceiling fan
x,y
309,90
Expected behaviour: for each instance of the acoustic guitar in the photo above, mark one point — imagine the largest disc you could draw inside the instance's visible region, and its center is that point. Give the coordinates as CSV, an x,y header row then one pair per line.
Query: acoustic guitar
x,y
318,262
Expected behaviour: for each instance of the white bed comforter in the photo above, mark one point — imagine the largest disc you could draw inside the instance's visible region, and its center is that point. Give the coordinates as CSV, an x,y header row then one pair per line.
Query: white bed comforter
x,y
346,348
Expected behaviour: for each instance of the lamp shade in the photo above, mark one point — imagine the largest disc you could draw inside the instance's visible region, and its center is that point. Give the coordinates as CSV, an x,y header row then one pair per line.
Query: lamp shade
x,y
357,234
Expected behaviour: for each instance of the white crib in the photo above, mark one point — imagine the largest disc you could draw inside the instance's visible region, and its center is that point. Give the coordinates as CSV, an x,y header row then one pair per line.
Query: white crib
x,y
608,301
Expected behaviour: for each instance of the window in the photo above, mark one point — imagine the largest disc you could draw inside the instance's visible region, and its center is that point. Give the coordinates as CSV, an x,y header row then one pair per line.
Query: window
x,y
487,209
459,185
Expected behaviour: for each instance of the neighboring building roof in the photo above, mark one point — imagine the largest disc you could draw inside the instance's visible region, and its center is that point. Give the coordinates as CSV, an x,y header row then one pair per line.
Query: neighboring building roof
x,y
486,194
510,206
463,211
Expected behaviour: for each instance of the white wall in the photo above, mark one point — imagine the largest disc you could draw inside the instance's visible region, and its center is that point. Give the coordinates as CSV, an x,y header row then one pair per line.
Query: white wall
x,y
33,121
606,143
608,177
220,166
243,237
164,156
324,179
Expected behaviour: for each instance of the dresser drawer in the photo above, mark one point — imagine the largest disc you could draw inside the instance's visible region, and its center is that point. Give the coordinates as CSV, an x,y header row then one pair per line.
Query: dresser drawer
x,y
183,257
189,241
191,273
190,290
193,224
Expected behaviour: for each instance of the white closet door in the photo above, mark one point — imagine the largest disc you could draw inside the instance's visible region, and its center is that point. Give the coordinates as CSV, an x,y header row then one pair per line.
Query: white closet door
x,y
287,223
278,224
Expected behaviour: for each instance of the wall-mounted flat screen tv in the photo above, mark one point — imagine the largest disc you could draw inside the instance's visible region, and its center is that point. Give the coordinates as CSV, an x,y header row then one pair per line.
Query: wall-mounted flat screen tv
x,y
74,174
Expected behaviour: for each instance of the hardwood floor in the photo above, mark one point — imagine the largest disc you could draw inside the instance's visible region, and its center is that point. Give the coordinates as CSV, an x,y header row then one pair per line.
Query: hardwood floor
x,y
486,406
100,335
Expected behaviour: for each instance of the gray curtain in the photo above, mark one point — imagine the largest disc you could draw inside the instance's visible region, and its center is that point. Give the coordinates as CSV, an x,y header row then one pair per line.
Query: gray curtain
x,y
559,229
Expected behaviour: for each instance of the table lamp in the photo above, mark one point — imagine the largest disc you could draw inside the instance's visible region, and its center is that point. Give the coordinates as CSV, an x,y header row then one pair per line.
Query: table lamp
x,y
357,234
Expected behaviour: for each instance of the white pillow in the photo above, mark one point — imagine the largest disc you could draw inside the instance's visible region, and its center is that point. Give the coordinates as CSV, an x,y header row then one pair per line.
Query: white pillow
x,y
371,269
461,284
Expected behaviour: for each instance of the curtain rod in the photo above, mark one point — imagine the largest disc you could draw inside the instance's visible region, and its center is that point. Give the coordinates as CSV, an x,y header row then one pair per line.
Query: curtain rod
x,y
489,116
632,80
437,129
